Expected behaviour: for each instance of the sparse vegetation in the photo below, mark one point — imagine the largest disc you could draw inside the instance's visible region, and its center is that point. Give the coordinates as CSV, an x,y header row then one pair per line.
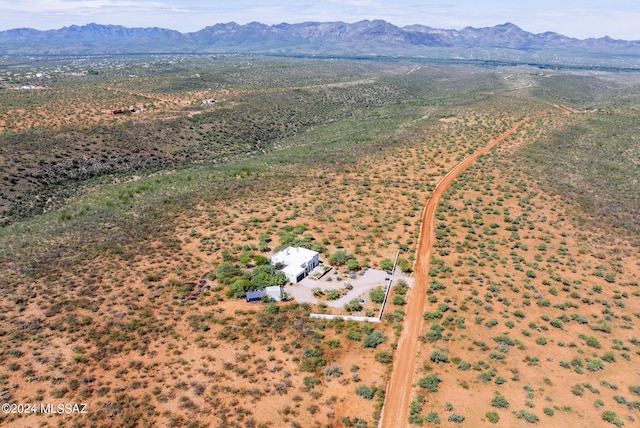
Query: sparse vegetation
x,y
128,243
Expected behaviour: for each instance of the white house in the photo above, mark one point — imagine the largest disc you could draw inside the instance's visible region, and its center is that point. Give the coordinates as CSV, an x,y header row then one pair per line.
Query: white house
x,y
296,262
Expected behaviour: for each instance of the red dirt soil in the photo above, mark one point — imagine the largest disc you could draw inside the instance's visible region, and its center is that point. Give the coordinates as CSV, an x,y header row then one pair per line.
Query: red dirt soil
x,y
395,412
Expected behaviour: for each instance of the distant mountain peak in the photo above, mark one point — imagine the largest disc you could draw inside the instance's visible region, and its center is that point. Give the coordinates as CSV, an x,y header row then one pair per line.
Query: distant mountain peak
x,y
509,25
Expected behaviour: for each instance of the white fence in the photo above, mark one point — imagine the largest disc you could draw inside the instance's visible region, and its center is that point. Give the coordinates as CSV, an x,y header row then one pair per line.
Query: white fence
x,y
345,317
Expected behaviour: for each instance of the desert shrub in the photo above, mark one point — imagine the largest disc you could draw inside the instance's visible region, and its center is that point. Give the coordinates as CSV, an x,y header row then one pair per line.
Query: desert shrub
x,y
456,418
271,308
373,339
226,272
499,401
464,365
354,305
384,357
404,265
493,417
579,318
333,371
577,390
430,382
432,315
634,389
353,264
332,294
527,416
339,258
398,299
401,287
432,418
594,364
619,399
386,264
541,340
491,323
439,357
557,323
414,419
609,416
353,335
434,333
504,340
310,382
591,341
333,343
365,391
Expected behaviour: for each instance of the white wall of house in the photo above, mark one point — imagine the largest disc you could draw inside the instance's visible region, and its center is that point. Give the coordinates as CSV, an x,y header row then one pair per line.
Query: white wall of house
x,y
297,262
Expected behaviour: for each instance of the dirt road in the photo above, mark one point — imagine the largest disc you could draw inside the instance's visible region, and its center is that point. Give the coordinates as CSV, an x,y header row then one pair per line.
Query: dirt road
x,y
395,412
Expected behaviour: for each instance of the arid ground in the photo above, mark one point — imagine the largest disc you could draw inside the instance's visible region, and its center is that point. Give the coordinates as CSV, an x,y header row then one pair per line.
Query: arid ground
x,y
531,299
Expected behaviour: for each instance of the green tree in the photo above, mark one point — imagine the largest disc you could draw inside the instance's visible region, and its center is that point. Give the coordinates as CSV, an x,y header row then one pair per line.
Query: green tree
x,y
238,288
377,295
264,279
353,264
267,276
386,264
404,265
260,260
398,299
338,258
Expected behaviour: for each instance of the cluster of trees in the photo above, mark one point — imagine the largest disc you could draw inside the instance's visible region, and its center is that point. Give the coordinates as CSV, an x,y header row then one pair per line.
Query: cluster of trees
x,y
341,258
403,264
242,280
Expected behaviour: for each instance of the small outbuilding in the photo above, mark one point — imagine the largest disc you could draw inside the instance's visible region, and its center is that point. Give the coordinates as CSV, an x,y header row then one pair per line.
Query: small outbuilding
x,y
256,295
295,262
274,292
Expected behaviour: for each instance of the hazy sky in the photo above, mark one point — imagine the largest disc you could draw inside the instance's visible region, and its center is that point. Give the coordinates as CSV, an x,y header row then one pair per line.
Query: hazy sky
x,y
576,18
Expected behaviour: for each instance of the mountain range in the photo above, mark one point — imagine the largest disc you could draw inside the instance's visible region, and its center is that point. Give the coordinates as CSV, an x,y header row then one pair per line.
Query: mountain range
x,y
364,38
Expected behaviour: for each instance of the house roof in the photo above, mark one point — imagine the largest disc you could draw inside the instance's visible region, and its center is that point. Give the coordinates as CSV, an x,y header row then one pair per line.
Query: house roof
x,y
296,256
294,259
255,295
273,292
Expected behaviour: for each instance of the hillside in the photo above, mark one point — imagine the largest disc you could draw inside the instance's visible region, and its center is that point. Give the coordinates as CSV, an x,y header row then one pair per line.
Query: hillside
x,y
506,42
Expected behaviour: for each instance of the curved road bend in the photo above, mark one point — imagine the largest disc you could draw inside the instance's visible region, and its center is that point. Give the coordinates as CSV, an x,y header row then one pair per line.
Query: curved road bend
x,y
395,412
